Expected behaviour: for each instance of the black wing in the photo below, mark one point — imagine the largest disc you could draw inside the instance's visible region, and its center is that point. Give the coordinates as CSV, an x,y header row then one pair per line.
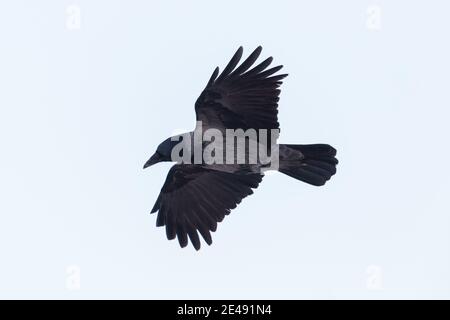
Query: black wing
x,y
194,199
241,98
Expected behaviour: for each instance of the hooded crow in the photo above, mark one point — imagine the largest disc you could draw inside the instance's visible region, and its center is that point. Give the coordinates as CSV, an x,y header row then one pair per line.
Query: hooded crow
x,y
198,193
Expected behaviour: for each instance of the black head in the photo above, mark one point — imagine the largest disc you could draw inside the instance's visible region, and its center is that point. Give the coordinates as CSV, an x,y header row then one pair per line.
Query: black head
x,y
164,151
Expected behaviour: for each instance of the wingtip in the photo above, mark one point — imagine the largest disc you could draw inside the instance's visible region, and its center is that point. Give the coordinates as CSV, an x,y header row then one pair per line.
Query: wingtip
x,y
156,206
239,51
183,245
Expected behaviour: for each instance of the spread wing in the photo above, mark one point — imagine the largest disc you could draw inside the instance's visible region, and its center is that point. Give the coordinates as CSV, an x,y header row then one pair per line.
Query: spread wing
x,y
241,98
193,199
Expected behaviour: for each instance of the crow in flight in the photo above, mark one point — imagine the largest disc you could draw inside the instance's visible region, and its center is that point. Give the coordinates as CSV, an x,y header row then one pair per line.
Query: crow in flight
x,y
196,196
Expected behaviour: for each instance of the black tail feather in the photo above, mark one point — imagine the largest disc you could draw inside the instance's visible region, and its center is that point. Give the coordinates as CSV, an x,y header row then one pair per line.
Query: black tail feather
x,y
314,164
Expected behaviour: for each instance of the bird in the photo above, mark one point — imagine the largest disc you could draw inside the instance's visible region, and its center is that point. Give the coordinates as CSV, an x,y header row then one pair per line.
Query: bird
x,y
196,196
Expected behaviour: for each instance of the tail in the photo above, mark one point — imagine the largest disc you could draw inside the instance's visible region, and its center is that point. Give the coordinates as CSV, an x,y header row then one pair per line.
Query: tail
x,y
313,163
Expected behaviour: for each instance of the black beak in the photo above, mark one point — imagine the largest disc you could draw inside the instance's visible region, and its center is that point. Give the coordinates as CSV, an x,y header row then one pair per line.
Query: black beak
x,y
154,159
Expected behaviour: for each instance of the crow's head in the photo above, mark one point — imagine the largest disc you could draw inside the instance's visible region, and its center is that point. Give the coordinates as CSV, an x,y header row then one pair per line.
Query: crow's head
x,y
164,151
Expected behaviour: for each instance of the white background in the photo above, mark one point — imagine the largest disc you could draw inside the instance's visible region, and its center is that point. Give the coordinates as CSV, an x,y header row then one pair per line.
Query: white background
x,y
83,104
